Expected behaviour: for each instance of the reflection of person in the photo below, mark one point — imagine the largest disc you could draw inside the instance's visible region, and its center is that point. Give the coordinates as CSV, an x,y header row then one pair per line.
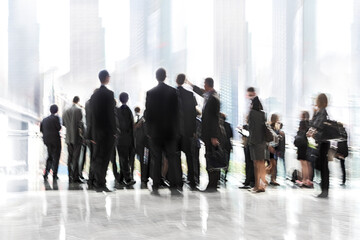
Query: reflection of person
x,y
210,126
161,116
50,127
125,143
103,125
257,144
317,125
73,121
188,126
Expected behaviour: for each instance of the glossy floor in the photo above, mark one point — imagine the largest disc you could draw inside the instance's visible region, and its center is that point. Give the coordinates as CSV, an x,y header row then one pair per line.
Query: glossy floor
x,y
284,212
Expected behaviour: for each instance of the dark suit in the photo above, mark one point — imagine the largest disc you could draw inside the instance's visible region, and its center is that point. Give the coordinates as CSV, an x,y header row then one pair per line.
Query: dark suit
x,y
88,136
73,121
125,143
210,128
103,130
50,128
188,128
162,110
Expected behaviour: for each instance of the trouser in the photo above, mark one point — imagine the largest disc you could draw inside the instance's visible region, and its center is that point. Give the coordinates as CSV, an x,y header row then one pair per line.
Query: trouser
x,y
185,146
324,168
91,170
83,160
124,160
117,174
214,174
103,150
169,147
52,162
132,162
342,163
74,151
196,159
249,167
144,159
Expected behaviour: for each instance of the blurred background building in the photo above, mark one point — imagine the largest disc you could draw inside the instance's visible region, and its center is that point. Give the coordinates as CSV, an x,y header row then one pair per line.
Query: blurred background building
x,y
289,50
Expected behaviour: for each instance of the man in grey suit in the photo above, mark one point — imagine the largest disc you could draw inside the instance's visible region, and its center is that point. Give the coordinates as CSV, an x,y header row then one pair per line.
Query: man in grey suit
x,y
73,122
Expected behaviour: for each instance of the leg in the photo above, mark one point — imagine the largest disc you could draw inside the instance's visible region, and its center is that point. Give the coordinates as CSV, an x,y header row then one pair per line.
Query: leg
x,y
214,175
70,148
155,164
323,158
196,161
49,160
76,161
102,154
56,158
342,162
186,143
124,162
174,165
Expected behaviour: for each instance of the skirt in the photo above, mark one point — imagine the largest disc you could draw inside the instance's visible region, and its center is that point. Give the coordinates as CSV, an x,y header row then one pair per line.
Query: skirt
x,y
258,151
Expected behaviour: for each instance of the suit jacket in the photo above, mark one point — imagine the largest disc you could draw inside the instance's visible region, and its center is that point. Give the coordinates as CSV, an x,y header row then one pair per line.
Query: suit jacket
x,y
210,114
50,127
162,112
102,118
73,121
256,127
88,120
126,126
187,112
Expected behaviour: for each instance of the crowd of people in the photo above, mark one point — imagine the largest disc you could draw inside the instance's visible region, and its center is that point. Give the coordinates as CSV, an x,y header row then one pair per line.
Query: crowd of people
x,y
171,124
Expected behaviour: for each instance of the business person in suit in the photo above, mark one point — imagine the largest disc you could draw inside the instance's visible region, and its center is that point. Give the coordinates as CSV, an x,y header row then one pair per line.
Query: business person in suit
x,y
210,130
162,116
187,127
50,127
103,124
125,143
73,122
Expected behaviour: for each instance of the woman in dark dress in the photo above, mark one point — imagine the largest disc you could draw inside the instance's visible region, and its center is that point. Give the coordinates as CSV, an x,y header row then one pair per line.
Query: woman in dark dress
x,y
301,143
317,127
257,143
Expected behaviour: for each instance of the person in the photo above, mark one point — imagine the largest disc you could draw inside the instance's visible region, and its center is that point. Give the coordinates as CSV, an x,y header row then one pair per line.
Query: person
x,y
315,131
341,154
227,144
73,122
249,164
125,141
187,126
257,144
89,140
104,130
302,144
273,150
50,127
210,123
161,116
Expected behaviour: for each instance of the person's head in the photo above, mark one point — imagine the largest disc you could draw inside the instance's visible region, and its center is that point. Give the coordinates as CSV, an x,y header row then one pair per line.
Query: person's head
x,y
321,101
137,110
54,109
208,84
124,97
305,116
256,104
104,77
274,118
223,116
161,74
180,79
76,99
250,93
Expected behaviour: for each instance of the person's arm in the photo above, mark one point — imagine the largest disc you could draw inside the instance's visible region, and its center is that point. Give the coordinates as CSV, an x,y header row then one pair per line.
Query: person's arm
x,y
195,88
58,125
41,127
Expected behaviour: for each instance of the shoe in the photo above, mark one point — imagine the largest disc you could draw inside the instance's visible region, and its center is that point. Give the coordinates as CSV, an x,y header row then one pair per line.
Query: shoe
x,y
118,185
260,190
210,190
155,192
342,184
45,176
102,189
245,187
176,192
130,182
55,177
322,195
194,188
308,185
274,183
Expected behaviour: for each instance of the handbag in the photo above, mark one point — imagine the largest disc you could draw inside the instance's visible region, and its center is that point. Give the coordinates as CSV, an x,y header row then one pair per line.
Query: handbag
x,y
216,158
270,135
